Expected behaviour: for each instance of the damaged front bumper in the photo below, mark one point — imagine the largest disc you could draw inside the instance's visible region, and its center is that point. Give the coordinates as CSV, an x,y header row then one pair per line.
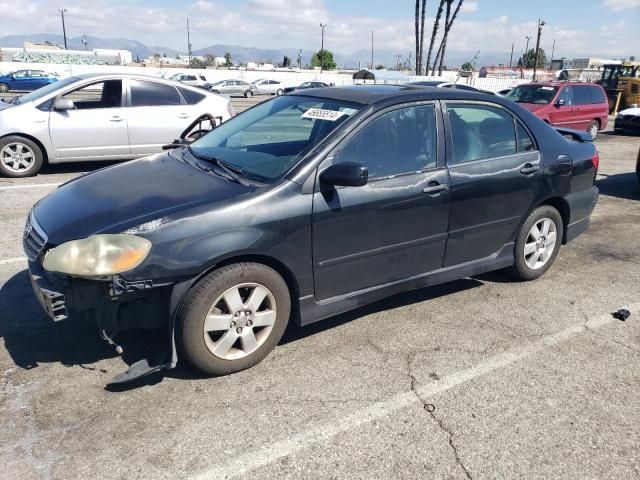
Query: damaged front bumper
x,y
114,304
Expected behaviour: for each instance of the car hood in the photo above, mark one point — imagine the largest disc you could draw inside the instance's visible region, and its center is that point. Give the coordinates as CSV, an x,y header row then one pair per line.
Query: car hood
x,y
123,196
533,107
5,105
630,111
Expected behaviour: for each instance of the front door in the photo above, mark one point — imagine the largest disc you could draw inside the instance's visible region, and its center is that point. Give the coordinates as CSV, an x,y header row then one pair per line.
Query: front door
x,y
157,116
96,128
495,175
395,226
563,115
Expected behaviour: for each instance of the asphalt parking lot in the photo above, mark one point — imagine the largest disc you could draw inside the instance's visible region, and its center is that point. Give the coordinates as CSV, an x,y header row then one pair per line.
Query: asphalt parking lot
x,y
479,378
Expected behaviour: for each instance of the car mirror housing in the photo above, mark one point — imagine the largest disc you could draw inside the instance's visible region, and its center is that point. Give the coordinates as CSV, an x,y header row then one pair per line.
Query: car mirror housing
x,y
560,102
63,104
347,174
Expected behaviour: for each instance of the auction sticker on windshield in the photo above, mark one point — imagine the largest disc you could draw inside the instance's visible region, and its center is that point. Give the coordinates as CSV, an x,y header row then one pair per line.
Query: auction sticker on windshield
x,y
322,114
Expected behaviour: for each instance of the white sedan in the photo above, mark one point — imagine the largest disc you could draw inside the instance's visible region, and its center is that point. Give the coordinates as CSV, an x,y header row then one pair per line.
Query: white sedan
x,y
99,117
268,87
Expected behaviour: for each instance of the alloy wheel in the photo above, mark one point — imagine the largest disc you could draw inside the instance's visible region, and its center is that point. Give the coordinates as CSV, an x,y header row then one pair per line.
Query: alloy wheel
x,y
240,321
540,243
17,157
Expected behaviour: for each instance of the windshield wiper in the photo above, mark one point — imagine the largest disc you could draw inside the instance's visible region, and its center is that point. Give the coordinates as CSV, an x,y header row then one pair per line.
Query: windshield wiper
x,y
231,170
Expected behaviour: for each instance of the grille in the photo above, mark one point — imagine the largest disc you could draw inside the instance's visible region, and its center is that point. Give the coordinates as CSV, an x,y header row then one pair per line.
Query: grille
x,y
34,238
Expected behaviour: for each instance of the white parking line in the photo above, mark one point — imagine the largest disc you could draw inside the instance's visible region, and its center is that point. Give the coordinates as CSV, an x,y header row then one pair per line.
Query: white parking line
x,y
13,260
268,454
30,185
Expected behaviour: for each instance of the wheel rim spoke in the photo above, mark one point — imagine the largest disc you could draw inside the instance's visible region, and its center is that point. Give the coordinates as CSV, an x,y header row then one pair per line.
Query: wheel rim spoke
x,y
529,248
535,232
264,319
546,224
233,300
222,346
551,239
214,323
249,341
257,297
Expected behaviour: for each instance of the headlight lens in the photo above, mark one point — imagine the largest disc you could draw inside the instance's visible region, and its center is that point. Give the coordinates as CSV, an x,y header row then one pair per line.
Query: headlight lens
x,y
98,255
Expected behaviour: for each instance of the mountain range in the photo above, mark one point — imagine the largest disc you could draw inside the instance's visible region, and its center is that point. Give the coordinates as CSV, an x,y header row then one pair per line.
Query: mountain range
x,y
241,54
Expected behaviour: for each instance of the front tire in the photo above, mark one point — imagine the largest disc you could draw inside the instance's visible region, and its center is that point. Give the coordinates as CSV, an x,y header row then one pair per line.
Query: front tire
x,y
279,92
248,94
233,318
538,243
19,157
4,87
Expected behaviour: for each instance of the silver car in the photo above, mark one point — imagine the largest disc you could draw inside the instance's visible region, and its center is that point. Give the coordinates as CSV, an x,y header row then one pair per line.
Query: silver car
x,y
233,87
268,87
99,117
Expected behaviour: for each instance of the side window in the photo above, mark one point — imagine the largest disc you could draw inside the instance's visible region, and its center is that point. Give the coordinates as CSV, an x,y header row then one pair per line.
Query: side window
x,y
190,96
525,142
400,141
22,74
107,94
151,94
597,95
480,132
581,95
566,94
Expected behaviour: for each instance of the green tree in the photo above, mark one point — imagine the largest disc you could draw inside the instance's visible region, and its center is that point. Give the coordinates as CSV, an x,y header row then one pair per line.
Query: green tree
x,y
528,59
327,62
227,59
197,63
467,67
380,67
209,59
286,62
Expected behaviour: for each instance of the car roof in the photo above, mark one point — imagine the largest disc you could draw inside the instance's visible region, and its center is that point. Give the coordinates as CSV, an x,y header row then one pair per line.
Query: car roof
x,y
375,94
559,83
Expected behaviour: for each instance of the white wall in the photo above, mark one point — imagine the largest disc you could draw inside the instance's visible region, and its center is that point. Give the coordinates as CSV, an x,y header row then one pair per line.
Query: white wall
x,y
289,78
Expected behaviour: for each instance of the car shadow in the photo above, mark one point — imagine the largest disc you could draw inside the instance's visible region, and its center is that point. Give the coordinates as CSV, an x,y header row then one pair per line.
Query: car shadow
x,y
621,185
75,167
31,338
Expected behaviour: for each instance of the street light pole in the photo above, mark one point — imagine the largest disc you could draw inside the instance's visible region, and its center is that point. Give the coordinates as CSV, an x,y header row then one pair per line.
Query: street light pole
x,y
322,26
64,30
511,59
371,49
188,42
541,23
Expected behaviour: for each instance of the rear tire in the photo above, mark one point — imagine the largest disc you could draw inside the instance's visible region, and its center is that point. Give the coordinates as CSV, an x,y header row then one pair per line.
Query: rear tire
x,y
279,92
4,87
248,94
534,254
233,318
19,157
593,129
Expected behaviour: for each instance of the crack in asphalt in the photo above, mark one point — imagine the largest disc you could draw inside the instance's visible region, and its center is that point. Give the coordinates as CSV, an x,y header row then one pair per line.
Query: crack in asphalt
x,y
430,409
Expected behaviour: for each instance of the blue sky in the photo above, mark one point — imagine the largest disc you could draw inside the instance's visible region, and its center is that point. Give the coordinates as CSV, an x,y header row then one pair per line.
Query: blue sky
x,y
588,27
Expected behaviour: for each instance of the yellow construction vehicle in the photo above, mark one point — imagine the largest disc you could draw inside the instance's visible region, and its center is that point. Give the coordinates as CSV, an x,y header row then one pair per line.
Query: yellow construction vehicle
x,y
622,83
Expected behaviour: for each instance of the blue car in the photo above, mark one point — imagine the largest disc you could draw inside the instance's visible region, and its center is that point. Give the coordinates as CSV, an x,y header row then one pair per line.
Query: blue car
x,y
25,80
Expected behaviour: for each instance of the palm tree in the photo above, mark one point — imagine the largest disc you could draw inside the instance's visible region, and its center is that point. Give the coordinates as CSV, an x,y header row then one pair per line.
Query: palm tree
x,y
434,32
424,8
446,32
418,59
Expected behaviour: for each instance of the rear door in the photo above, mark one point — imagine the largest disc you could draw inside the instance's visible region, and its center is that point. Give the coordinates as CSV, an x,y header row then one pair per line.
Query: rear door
x,y
157,115
96,128
584,111
395,226
494,168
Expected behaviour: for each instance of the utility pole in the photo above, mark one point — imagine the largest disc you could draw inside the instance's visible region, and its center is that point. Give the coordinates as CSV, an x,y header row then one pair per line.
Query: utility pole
x,y
553,50
188,42
64,30
409,62
526,50
541,23
84,42
398,57
371,49
511,59
322,26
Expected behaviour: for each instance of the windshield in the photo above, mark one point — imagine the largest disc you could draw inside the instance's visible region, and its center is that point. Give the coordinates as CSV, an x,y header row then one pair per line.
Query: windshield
x,y
269,139
538,94
47,89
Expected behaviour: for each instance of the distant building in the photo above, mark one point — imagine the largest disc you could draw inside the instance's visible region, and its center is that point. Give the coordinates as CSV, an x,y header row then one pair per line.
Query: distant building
x,y
584,63
50,53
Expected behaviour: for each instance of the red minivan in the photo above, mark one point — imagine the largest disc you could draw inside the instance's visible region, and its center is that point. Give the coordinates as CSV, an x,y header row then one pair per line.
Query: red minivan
x,y
577,105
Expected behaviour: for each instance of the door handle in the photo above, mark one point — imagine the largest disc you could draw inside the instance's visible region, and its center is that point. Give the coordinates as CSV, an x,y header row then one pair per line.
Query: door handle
x,y
183,115
529,168
116,118
435,188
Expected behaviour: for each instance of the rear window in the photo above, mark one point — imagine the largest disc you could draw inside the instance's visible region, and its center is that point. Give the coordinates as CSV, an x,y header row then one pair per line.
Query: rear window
x,y
190,96
151,94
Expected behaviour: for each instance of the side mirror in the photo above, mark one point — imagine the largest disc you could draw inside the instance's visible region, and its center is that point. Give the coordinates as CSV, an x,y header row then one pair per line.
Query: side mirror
x,y
13,76
560,102
347,174
63,104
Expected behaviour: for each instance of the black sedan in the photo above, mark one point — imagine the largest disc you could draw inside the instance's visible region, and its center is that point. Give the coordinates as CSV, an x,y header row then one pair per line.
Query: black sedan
x,y
303,207
306,85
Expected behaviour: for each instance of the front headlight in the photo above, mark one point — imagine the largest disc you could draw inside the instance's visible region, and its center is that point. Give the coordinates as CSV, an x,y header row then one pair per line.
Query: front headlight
x,y
98,255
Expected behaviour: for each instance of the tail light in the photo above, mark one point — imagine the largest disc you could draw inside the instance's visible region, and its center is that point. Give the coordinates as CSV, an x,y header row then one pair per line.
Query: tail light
x,y
596,161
